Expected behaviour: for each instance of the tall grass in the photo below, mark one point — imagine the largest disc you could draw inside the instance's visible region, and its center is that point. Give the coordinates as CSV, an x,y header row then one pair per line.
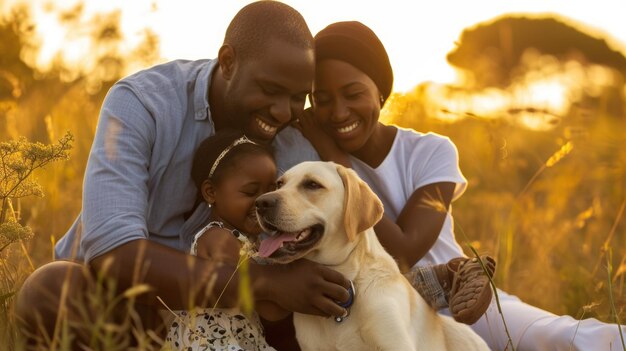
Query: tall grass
x,y
547,204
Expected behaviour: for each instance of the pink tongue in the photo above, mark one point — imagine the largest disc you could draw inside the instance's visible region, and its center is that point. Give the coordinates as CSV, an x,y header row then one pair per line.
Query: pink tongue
x,y
273,243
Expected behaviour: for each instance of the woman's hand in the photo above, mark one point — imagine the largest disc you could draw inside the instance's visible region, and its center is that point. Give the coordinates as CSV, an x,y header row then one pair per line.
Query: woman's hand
x,y
322,142
312,130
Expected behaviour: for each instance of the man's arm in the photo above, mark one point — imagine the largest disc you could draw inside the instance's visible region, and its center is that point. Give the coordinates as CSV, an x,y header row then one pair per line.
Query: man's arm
x,y
180,280
183,281
116,186
115,233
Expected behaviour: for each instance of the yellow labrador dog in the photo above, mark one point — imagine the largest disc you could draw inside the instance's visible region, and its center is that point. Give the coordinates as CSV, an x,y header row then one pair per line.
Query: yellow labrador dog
x,y
325,212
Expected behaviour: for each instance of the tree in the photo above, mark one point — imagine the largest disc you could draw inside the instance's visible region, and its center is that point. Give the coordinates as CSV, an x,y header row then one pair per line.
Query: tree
x,y
492,50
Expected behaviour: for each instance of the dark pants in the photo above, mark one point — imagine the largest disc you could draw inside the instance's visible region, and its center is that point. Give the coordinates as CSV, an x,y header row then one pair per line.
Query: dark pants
x,y
63,301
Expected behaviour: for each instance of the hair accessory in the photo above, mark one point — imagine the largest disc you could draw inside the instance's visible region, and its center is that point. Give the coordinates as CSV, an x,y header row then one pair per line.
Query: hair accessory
x,y
243,140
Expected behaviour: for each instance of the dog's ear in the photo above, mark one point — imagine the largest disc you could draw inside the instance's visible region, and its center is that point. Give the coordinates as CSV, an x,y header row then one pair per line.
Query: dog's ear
x,y
362,208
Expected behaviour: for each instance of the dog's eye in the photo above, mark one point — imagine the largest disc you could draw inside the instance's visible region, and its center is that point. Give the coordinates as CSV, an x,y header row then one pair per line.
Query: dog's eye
x,y
312,185
279,184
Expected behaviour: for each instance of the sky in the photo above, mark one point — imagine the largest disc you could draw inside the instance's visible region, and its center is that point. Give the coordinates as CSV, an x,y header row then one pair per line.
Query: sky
x,y
417,34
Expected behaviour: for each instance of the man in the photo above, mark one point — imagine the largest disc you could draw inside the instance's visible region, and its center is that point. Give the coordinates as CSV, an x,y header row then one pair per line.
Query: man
x,y
138,214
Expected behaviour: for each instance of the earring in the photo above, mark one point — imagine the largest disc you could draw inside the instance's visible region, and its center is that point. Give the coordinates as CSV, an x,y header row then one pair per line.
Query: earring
x,y
210,205
382,99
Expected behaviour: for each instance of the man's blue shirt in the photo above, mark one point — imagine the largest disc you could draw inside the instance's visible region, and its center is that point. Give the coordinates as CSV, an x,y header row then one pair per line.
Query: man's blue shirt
x,y
138,182
138,179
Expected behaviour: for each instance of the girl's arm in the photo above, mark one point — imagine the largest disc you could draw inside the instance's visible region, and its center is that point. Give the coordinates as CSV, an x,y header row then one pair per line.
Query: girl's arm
x,y
219,245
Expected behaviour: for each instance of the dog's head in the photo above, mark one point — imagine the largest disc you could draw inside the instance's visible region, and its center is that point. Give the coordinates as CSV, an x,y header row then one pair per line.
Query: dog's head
x,y
317,211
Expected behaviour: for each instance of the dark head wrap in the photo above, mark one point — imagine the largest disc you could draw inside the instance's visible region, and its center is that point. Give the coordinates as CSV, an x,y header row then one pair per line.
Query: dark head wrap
x,y
356,44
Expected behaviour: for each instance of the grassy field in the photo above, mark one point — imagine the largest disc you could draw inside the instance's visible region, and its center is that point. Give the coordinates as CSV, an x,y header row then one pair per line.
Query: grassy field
x,y
548,204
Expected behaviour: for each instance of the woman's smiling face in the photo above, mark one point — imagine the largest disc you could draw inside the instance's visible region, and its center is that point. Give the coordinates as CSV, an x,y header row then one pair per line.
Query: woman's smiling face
x,y
346,103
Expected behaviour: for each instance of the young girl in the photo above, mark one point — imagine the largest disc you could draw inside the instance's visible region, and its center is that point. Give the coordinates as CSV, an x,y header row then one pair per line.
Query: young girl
x,y
230,172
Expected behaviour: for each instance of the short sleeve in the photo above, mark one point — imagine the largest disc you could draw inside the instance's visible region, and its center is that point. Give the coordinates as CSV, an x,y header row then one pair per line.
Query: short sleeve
x,y
436,161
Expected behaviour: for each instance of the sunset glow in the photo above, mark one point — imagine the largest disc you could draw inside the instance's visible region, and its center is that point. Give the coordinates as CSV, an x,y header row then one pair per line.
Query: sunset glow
x,y
418,37
530,114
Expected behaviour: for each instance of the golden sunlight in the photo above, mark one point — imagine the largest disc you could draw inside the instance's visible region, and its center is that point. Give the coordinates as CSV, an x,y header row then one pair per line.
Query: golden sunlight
x,y
417,42
532,94
417,38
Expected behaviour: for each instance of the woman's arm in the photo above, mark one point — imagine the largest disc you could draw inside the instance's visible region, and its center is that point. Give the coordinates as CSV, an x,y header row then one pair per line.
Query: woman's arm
x,y
418,225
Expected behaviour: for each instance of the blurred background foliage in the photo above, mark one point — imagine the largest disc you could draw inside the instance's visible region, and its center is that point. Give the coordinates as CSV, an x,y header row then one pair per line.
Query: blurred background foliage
x,y
539,121
42,104
538,118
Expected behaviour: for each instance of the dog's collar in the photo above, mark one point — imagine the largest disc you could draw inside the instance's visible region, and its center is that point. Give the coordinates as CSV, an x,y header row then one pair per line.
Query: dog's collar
x,y
347,304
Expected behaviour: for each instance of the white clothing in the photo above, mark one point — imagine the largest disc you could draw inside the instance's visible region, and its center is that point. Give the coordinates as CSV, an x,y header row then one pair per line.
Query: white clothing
x,y
532,328
416,160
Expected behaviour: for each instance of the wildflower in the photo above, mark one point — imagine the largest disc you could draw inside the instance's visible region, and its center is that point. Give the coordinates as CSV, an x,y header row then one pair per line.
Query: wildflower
x,y
18,160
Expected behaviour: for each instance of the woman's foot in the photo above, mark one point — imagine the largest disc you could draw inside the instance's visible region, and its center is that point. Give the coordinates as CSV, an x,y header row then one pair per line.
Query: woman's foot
x,y
470,292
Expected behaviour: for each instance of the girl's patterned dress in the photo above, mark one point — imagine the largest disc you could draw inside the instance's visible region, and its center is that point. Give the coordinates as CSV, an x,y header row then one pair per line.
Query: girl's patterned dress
x,y
216,328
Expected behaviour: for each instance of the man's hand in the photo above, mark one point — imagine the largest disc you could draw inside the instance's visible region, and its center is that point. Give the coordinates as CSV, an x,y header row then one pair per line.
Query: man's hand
x,y
301,286
270,311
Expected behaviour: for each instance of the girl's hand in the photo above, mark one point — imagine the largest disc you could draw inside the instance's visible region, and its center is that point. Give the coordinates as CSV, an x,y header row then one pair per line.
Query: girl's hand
x,y
219,245
322,142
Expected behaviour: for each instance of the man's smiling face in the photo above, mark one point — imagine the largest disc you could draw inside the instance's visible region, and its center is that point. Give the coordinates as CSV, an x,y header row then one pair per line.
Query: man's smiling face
x,y
266,92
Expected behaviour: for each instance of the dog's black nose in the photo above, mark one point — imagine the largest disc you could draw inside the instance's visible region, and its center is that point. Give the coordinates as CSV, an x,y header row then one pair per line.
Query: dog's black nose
x,y
265,203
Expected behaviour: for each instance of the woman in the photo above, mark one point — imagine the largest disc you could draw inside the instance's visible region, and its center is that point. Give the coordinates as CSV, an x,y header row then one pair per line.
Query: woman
x,y
417,177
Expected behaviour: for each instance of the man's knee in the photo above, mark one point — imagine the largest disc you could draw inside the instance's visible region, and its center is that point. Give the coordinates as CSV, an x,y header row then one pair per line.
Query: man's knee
x,y
66,294
49,294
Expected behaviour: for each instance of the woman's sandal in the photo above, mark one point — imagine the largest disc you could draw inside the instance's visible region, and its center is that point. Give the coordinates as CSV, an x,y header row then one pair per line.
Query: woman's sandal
x,y
471,293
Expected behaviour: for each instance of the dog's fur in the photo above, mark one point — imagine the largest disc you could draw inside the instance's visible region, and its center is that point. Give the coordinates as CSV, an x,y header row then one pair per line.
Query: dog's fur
x,y
387,314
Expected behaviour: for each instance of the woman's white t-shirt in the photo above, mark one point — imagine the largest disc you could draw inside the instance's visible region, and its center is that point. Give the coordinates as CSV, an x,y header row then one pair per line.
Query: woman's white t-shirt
x,y
415,160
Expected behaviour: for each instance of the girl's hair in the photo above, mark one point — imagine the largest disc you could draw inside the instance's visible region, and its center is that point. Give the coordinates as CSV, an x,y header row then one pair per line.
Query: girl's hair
x,y
221,151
